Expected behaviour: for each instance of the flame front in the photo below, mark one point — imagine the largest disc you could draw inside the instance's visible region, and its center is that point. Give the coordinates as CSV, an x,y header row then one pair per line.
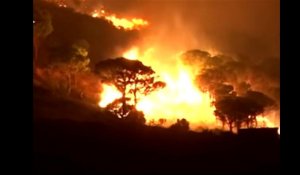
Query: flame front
x,y
127,24
108,95
181,98
99,12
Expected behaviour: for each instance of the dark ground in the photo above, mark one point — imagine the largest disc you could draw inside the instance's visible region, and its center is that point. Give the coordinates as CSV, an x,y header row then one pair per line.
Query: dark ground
x,y
70,137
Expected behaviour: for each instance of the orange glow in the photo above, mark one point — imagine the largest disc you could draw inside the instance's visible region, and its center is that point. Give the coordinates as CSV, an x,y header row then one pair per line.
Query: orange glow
x,y
95,14
132,54
118,22
127,24
108,95
266,122
181,98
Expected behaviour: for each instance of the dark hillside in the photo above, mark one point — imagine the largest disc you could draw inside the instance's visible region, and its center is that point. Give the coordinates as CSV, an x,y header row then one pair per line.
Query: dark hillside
x,y
72,137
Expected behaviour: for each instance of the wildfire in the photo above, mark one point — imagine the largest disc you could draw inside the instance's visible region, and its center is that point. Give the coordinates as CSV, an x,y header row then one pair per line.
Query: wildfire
x,y
132,54
108,95
127,24
266,122
181,98
118,22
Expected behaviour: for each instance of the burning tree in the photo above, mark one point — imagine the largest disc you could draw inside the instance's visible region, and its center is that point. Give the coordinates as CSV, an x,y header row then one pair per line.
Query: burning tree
x,y
129,77
235,111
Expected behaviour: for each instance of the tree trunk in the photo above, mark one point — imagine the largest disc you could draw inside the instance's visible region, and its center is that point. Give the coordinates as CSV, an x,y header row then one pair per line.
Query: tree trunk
x,y
134,94
135,98
123,103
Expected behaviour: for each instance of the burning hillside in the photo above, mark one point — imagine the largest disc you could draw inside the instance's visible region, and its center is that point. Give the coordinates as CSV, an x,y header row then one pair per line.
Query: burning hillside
x,y
181,98
195,80
98,11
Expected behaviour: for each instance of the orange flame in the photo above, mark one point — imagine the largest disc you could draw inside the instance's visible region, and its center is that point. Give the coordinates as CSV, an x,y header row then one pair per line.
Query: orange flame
x,y
181,98
108,95
132,54
127,24
266,122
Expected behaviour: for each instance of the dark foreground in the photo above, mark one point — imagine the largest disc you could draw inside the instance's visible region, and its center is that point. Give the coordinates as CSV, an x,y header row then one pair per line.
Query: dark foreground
x,y
62,145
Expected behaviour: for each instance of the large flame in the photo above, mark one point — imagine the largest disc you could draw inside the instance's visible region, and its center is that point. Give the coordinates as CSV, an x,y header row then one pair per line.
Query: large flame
x,y
108,95
181,98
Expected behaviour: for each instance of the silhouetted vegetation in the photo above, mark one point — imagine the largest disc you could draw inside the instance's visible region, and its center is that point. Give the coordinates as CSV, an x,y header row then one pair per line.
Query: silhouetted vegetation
x,y
236,110
181,125
73,135
234,75
129,77
75,138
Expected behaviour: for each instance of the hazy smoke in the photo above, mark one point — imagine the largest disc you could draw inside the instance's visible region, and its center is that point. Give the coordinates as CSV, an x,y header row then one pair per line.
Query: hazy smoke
x,y
244,27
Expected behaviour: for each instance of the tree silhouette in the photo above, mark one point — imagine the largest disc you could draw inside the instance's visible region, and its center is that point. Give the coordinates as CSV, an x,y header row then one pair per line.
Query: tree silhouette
x,y
261,102
136,117
221,117
131,77
180,125
162,121
236,110
260,98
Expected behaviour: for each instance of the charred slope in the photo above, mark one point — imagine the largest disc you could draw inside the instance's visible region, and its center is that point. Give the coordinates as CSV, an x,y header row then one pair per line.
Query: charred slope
x,y
65,144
